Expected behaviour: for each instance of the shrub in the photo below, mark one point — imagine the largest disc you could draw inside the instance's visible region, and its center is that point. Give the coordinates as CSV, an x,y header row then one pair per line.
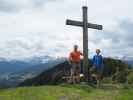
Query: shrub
x,y
130,77
120,76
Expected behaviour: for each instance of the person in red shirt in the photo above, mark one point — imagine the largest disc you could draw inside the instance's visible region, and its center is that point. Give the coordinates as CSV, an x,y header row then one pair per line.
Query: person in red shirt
x,y
74,58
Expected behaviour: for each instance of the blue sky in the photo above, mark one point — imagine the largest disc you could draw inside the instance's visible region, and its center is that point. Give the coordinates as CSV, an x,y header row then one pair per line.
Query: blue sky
x,y
37,27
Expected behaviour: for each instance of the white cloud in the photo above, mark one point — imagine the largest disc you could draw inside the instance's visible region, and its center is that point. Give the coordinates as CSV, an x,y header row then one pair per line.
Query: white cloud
x,y
35,27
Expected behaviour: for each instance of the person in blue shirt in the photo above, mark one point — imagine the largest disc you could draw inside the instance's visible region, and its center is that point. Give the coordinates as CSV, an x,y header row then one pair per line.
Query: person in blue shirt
x,y
97,68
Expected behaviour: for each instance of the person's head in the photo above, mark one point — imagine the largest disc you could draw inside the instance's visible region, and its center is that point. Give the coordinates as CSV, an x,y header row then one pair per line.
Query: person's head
x,y
98,51
75,47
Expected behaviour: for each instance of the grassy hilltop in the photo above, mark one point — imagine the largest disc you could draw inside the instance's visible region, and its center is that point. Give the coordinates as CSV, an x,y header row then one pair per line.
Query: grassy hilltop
x,y
44,86
66,92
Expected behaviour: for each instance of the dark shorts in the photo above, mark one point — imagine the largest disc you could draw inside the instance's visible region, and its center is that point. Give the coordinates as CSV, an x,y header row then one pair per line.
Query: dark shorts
x,y
96,71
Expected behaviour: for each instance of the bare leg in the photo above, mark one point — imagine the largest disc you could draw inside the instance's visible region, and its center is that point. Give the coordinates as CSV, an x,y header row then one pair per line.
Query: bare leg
x,y
71,76
78,73
78,78
98,80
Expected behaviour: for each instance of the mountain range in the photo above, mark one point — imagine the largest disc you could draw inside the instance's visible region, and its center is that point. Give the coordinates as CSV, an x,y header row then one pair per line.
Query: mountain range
x,y
128,60
13,66
12,72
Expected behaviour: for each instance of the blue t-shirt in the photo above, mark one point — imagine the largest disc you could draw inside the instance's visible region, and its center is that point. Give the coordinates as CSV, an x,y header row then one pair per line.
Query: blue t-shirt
x,y
98,61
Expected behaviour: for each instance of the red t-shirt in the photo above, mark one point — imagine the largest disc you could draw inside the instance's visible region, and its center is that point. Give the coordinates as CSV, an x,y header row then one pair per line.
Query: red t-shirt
x,y
75,56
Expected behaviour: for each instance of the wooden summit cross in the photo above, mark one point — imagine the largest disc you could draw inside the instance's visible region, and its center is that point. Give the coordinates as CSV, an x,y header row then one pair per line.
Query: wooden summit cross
x,y
85,25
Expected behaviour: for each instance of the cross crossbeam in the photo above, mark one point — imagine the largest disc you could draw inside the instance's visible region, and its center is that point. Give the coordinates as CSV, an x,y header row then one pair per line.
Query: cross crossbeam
x,y
80,24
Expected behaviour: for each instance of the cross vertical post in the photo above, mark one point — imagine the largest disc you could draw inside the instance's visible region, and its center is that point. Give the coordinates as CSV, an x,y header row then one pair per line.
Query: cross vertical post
x,y
85,25
85,42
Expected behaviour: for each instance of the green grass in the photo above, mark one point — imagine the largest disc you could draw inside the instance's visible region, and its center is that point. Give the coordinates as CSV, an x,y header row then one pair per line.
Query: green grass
x,y
65,92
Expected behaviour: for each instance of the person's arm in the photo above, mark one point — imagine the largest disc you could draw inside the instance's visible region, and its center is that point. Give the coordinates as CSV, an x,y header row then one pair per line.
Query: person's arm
x,y
93,60
102,60
81,53
70,58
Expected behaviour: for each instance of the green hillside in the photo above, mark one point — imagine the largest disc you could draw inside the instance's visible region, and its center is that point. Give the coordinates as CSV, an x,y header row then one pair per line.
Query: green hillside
x,y
66,92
